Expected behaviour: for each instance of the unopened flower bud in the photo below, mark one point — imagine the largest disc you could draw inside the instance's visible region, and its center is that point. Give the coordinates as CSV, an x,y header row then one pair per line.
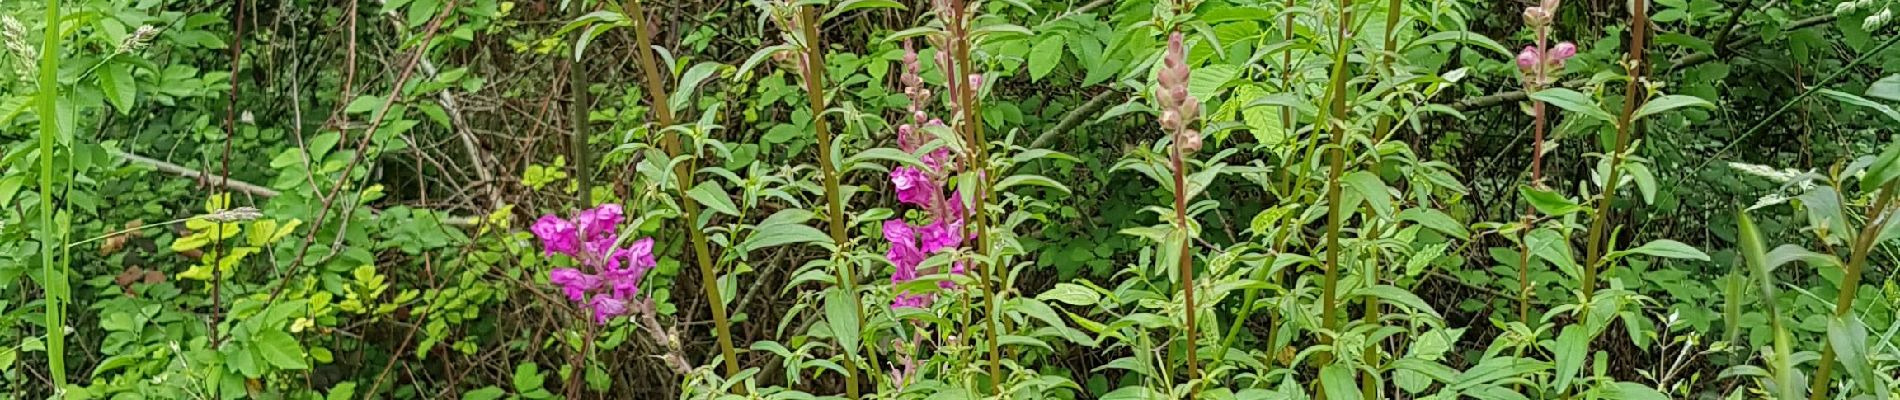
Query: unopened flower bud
x,y
1536,16
1170,120
1563,51
976,81
1527,59
1190,141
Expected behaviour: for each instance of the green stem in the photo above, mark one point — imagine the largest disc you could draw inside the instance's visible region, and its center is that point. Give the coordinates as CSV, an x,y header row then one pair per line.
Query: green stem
x,y
814,90
1850,283
53,271
577,86
1632,98
1336,158
682,174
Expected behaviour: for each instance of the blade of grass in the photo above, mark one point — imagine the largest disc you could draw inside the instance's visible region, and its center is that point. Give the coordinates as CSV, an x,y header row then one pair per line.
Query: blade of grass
x,y
53,271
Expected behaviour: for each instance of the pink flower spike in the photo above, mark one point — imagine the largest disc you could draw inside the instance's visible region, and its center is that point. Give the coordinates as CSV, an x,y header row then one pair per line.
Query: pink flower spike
x,y
599,221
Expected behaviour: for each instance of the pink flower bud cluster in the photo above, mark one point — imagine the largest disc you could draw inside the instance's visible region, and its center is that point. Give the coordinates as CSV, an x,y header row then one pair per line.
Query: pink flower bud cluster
x,y
1530,60
1179,110
611,277
1538,63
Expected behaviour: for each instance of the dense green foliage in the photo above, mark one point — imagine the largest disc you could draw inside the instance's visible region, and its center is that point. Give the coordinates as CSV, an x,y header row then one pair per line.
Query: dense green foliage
x,y
1127,199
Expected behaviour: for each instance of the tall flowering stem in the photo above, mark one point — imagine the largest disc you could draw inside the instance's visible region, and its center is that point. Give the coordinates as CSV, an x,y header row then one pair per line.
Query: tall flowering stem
x,y
1539,65
1633,97
1179,110
682,174
964,86
811,68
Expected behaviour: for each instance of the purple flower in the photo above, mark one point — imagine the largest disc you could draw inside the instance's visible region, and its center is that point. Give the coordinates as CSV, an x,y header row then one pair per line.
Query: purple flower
x,y
913,186
573,282
941,235
557,235
606,308
592,240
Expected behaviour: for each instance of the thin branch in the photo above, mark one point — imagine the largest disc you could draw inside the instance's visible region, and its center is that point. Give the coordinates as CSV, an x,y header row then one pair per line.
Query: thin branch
x,y
1075,118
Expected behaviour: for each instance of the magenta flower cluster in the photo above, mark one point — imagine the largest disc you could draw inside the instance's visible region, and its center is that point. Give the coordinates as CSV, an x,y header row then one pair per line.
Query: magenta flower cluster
x,y
609,277
924,188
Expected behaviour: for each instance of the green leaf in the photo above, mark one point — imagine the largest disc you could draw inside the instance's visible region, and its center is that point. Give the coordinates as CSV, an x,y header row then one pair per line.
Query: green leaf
x,y
1670,102
1551,246
1634,391
279,349
1437,221
1573,101
1466,37
784,234
848,5
690,81
1852,99
1370,187
116,80
1337,379
1045,56
1034,180
1072,294
1885,168
1572,345
487,393
1885,88
714,197
841,312
1664,248
1205,81
1848,336
1548,202
1395,295
528,377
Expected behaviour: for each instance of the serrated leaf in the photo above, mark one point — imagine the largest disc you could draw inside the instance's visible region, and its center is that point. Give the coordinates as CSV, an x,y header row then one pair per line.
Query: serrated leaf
x,y
1885,168
848,5
1033,180
1071,294
1044,57
1670,102
842,314
784,234
120,89
1572,345
1205,81
714,197
690,81
1665,248
1885,88
1466,37
1573,101
1436,220
1548,202
1852,99
1374,190
279,349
